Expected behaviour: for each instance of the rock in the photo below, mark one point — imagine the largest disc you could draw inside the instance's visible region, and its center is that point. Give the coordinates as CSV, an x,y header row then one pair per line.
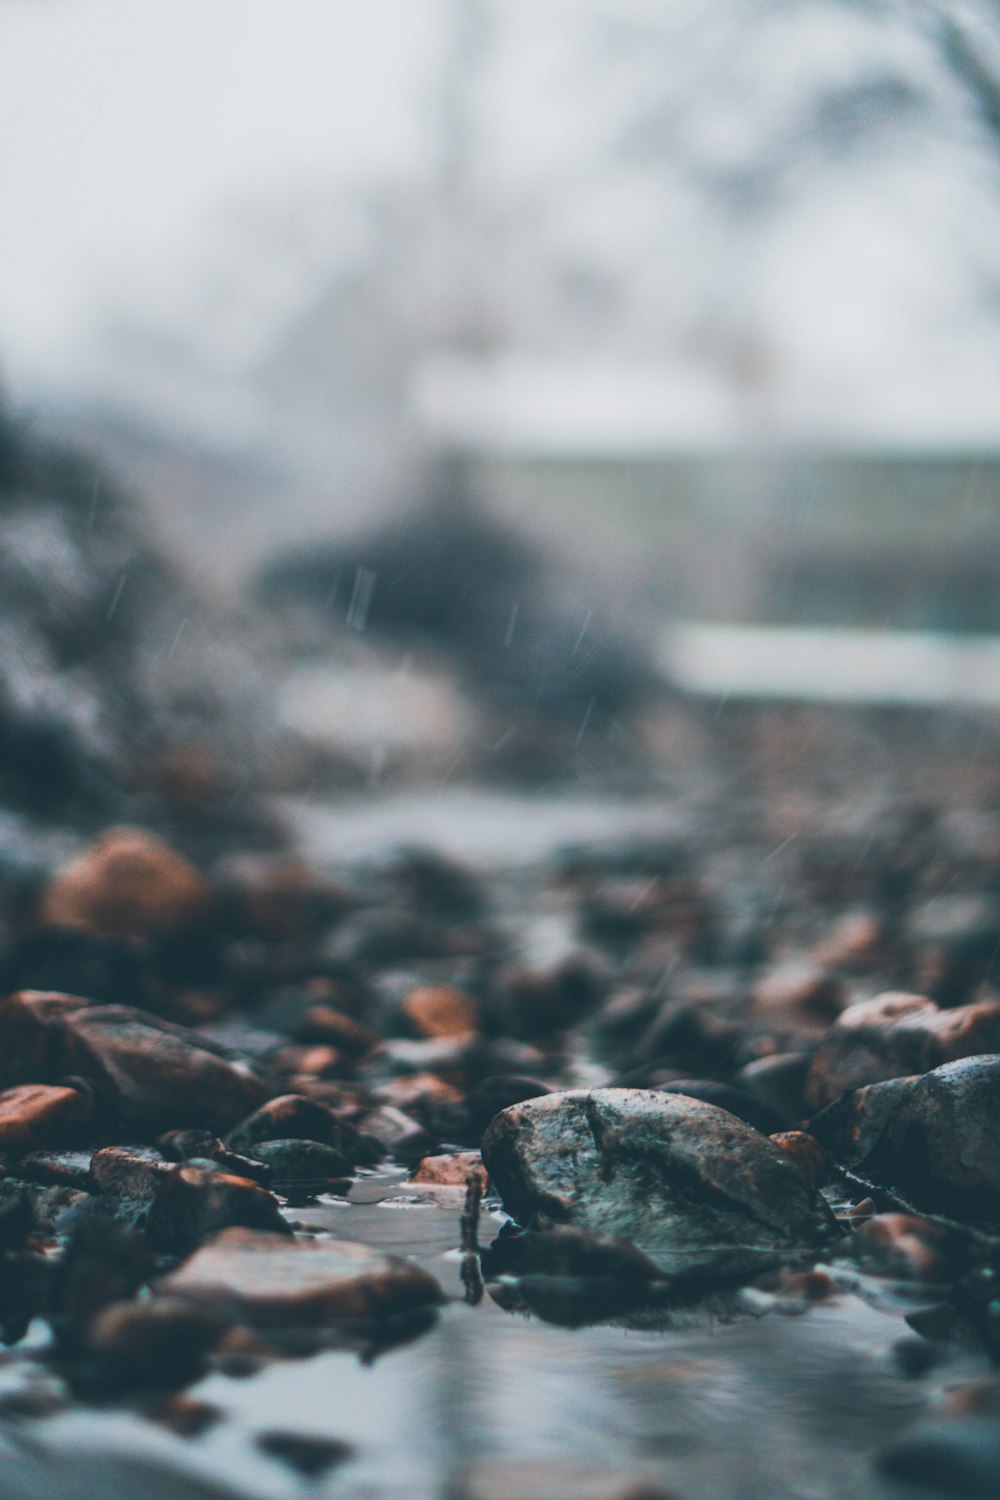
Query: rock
x,y
159,1342
398,1134
440,1011
294,1117
895,1035
104,1263
697,1190
807,1154
303,1167
191,1204
281,899
127,884
128,1181
853,1123
938,1144
778,1081
797,997
452,1171
285,1283
37,1114
147,1072
326,1025
202,1145
552,1479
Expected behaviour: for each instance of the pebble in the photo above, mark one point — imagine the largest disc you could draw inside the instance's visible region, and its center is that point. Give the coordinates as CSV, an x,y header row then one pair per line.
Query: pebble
x,y
127,884
37,1114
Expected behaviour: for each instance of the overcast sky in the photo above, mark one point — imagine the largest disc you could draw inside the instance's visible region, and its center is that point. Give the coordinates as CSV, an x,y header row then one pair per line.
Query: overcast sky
x,y
127,122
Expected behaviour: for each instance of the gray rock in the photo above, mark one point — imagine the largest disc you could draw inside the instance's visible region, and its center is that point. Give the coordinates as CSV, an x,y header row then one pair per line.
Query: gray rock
x,y
957,1456
697,1190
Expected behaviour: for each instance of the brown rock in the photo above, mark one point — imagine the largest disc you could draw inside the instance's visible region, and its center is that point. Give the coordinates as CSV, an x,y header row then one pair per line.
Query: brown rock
x,y
193,1203
283,899
452,1171
37,1114
294,1117
157,1074
325,1024
798,996
161,1341
895,1035
127,884
440,1011
289,1283
807,1154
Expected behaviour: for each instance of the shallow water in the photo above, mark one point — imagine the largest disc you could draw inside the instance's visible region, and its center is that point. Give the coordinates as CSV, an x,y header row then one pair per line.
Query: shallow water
x,y
738,1403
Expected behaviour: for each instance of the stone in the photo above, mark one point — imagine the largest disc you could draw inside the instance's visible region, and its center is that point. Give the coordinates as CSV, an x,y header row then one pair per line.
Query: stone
x,y
162,1341
128,1181
440,1011
453,1170
306,1453
37,1114
286,1283
807,1154
398,1134
797,997
725,1096
303,1166
295,1117
895,1035
192,1204
938,1144
127,884
147,1072
697,1190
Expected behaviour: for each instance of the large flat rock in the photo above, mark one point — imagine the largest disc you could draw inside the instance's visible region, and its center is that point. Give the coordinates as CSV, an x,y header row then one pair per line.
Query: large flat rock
x,y
699,1191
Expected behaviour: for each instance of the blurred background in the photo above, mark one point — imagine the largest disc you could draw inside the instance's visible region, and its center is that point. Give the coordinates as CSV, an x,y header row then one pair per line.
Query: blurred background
x,y
575,343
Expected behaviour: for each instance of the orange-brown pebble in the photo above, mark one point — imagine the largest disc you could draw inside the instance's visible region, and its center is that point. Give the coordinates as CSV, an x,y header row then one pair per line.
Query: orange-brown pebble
x,y
807,1154
323,1023
419,1089
127,884
452,1171
440,1011
36,1114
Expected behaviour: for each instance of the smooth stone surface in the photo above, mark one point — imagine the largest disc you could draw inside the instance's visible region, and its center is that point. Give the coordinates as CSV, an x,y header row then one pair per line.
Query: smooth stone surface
x,y
36,1114
295,1117
697,1190
297,1282
192,1204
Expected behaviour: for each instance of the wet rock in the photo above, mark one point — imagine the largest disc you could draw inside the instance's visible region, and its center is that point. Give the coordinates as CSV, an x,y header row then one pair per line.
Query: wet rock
x,y
851,1126
284,1283
939,1141
697,1190
127,884
545,1478
128,1181
163,1341
778,1081
325,1025
190,1145
146,1072
291,1117
104,1263
895,1035
797,997
539,1001
439,1011
281,899
303,1168
305,1453
807,1154
191,1204
398,1134
452,1171
37,1114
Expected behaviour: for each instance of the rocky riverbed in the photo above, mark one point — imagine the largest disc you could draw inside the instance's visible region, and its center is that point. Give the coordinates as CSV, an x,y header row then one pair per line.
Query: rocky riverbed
x,y
659,1165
